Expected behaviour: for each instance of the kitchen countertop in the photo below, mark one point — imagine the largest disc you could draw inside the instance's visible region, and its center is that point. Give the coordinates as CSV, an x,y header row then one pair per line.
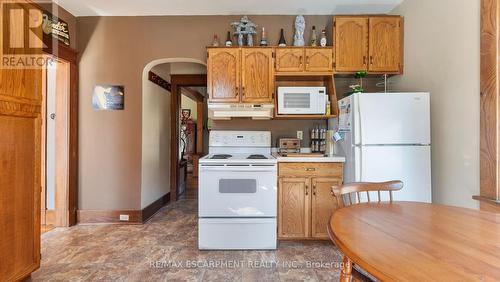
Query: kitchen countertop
x,y
334,159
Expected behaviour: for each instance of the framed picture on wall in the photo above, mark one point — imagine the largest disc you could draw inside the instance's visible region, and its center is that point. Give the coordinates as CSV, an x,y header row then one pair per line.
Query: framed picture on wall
x,y
108,97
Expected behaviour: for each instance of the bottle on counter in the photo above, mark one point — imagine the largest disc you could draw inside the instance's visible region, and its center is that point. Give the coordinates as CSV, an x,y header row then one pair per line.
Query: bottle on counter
x,y
263,39
328,106
282,41
215,42
314,37
322,41
229,42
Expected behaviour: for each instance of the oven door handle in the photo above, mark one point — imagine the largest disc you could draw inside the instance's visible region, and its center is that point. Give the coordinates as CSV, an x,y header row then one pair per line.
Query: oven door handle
x,y
238,168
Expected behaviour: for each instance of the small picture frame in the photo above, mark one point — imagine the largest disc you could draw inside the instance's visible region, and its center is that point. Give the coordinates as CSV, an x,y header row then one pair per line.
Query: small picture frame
x,y
108,97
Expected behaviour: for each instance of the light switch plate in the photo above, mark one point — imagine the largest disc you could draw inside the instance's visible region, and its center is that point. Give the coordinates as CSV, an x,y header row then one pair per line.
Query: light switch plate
x,y
300,135
124,217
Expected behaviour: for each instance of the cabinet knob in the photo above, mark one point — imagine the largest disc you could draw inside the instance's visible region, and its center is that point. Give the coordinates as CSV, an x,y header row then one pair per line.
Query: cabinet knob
x,y
371,60
300,60
307,190
310,169
364,60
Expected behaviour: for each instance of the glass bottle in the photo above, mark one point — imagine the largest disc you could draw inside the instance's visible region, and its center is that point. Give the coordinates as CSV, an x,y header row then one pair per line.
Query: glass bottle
x,y
229,42
282,42
263,39
314,37
216,43
322,41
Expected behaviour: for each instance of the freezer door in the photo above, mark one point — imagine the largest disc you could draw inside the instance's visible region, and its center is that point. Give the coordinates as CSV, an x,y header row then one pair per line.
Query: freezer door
x,y
410,164
392,118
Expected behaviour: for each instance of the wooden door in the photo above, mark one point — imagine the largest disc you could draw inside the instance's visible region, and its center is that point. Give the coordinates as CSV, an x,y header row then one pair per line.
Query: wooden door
x,y
351,44
385,44
294,207
257,75
223,75
319,60
323,204
20,145
289,59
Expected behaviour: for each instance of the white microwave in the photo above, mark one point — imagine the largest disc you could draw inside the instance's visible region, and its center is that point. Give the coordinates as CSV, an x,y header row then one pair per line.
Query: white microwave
x,y
302,100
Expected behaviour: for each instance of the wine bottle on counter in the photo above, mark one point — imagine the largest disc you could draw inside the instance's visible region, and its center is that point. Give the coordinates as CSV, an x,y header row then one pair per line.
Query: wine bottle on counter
x,y
229,42
282,42
314,37
263,39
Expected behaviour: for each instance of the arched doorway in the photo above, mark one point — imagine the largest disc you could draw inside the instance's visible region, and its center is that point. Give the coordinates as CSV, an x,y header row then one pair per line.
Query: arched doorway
x,y
165,82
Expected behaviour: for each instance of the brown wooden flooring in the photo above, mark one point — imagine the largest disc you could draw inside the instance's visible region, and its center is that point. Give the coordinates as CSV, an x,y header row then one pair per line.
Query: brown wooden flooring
x,y
191,187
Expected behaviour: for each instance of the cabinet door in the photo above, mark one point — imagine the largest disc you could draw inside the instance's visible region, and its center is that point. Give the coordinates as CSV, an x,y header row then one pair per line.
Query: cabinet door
x,y
351,43
289,59
294,207
223,74
385,44
319,59
257,75
323,205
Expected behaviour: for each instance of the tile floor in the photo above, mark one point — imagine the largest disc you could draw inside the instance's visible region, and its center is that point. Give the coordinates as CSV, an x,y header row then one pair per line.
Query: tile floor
x,y
165,249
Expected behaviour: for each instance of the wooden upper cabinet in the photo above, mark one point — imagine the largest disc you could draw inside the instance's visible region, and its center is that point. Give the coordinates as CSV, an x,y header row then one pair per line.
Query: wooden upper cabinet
x,y
257,75
289,59
323,204
223,74
319,59
351,44
294,207
385,44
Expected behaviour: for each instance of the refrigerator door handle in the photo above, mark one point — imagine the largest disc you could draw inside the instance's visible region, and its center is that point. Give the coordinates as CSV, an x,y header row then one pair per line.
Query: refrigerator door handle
x,y
359,119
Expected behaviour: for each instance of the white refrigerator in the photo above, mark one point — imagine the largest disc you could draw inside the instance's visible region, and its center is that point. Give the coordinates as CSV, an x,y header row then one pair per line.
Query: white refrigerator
x,y
386,136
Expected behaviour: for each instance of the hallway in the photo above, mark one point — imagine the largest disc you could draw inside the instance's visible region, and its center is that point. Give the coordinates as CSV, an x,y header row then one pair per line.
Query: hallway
x,y
155,251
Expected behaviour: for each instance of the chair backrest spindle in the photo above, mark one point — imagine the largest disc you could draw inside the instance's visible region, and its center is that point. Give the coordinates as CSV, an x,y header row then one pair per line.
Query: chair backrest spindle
x,y
346,190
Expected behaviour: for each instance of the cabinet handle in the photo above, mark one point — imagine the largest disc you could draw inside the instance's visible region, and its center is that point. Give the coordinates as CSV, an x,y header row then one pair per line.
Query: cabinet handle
x,y
307,190
371,60
300,59
237,91
314,189
307,61
243,91
364,60
310,169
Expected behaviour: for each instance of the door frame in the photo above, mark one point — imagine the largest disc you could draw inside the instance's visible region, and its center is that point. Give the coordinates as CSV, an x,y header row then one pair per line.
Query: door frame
x,y
489,197
177,81
68,196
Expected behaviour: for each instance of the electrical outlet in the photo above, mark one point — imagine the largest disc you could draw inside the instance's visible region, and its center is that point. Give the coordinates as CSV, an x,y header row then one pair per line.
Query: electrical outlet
x,y
124,217
300,135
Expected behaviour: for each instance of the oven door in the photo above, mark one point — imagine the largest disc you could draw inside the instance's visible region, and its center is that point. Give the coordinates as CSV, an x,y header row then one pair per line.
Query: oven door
x,y
237,191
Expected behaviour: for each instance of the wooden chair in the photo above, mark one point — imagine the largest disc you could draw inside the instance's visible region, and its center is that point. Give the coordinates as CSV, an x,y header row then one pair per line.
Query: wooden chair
x,y
344,197
344,193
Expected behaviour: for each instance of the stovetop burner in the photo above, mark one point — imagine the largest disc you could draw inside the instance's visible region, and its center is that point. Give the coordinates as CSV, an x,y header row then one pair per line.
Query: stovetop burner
x,y
220,157
257,157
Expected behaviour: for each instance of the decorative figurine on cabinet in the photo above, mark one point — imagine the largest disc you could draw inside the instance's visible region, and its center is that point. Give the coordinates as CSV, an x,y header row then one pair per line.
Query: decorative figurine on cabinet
x,y
242,28
300,26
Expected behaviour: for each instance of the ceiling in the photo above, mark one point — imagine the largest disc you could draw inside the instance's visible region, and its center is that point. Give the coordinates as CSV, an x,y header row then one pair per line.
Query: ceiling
x,y
225,7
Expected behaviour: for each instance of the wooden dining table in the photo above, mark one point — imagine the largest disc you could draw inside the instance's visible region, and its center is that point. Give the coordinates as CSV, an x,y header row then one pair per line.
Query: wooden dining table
x,y
407,241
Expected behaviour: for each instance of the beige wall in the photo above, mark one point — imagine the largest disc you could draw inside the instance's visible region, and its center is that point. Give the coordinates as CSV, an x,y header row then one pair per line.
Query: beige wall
x,y
442,56
115,50
156,132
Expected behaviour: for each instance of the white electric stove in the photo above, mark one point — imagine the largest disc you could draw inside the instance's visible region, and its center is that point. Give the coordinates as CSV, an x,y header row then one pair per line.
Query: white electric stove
x,y
238,192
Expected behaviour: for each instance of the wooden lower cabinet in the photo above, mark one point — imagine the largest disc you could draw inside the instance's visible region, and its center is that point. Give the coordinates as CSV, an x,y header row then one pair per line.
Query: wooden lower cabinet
x,y
305,204
294,210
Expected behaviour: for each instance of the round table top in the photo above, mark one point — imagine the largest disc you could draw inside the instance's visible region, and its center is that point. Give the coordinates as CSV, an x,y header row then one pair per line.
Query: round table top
x,y
409,241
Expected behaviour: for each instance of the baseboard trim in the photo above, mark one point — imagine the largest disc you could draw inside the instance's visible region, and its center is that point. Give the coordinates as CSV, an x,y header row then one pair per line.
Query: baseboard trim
x,y
91,217
154,207
108,217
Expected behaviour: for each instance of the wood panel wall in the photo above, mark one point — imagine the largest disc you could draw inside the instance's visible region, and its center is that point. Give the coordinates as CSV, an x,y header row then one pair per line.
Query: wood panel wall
x,y
490,103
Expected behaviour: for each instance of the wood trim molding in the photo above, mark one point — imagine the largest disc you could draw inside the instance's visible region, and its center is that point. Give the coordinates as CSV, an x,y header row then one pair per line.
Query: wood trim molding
x,y
149,211
113,216
156,79
489,101
178,81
